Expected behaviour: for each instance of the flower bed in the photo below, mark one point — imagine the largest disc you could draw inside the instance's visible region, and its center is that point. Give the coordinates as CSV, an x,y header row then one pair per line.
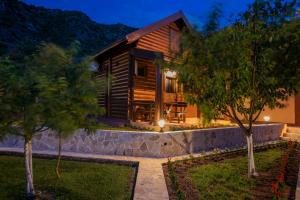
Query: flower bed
x,y
224,175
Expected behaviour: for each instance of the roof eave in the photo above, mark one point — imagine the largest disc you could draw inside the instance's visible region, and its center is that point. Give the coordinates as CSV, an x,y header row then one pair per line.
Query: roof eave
x,y
131,37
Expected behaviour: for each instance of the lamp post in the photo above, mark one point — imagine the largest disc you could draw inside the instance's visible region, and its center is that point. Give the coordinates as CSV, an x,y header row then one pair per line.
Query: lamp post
x,y
161,124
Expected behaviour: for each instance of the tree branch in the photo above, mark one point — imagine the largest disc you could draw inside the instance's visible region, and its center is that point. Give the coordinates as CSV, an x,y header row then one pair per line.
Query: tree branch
x,y
237,120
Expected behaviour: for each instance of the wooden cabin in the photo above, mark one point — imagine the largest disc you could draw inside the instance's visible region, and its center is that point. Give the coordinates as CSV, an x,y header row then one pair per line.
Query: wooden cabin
x,y
138,89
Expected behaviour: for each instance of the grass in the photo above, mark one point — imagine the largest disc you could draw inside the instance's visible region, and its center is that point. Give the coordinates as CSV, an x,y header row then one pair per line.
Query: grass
x,y
228,180
80,180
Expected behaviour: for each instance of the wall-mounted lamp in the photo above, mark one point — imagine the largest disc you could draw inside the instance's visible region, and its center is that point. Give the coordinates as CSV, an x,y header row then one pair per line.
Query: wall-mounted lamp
x,y
161,124
267,118
171,74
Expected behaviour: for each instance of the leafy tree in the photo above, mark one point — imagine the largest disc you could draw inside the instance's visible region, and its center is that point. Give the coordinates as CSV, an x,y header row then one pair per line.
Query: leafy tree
x,y
52,90
237,71
74,98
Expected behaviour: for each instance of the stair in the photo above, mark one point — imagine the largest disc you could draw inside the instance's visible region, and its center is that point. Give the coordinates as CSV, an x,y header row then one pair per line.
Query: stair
x,y
292,133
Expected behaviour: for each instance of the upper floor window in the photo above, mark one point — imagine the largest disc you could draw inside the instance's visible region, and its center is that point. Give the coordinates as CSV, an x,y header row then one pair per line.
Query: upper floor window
x,y
174,40
140,69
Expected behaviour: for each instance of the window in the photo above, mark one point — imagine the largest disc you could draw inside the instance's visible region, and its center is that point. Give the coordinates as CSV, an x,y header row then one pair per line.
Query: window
x,y
140,70
170,85
174,40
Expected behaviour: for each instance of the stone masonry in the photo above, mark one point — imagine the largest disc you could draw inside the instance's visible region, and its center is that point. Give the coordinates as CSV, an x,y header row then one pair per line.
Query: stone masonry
x,y
149,144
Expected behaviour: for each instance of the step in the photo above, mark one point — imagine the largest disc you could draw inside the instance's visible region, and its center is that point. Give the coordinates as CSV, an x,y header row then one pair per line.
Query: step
x,y
293,129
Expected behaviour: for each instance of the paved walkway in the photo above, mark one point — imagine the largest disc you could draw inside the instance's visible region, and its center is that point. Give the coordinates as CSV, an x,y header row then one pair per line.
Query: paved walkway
x,y
150,183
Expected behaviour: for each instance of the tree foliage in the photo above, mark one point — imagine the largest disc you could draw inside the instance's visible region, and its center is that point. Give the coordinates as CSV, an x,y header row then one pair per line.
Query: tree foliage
x,y
237,71
243,67
52,89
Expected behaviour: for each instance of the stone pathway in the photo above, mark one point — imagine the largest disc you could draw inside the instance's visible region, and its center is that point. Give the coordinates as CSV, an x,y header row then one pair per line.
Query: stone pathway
x,y
150,183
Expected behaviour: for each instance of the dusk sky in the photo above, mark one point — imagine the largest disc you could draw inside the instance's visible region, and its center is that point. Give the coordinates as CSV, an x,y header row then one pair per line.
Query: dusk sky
x,y
139,13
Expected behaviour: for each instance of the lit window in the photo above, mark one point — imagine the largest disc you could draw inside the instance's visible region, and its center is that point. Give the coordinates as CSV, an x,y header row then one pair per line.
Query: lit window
x,y
170,85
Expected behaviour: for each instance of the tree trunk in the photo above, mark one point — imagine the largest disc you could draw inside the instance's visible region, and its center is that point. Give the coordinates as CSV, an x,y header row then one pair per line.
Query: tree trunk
x,y
30,157
251,163
58,156
28,169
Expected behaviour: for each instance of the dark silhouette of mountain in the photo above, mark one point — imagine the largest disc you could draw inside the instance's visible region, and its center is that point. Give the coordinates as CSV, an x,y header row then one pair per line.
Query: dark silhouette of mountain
x,y
23,27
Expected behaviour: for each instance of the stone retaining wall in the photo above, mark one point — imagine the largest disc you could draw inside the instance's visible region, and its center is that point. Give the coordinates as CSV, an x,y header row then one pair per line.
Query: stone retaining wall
x,y
150,144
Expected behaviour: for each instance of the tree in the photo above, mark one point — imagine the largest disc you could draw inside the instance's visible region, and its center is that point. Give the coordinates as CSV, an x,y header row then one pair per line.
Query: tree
x,y
32,93
237,71
75,100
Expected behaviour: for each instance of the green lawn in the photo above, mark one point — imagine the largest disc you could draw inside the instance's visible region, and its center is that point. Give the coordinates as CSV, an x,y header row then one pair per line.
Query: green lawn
x,y
80,180
223,180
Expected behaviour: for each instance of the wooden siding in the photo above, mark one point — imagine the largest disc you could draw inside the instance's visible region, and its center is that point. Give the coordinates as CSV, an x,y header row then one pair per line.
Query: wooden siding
x,y
159,40
297,110
102,80
113,73
119,86
144,87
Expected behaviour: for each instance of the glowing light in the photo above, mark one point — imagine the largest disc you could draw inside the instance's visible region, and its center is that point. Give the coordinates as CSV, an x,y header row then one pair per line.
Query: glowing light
x,y
161,123
171,74
267,118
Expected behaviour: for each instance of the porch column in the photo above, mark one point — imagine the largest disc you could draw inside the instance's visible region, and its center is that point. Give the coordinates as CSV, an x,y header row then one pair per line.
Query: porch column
x,y
158,95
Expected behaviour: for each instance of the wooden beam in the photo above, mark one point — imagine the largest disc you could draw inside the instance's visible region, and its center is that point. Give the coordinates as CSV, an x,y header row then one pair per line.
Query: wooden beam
x,y
158,95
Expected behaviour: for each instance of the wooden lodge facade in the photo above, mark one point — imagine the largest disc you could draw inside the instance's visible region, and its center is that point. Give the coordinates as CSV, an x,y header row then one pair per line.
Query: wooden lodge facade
x,y
138,90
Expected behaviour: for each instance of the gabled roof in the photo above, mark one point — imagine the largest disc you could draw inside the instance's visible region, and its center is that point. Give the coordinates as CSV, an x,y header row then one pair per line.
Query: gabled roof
x,y
134,36
148,29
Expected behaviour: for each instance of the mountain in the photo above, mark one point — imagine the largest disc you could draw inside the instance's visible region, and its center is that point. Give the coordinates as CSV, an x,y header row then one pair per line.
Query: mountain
x,y
23,26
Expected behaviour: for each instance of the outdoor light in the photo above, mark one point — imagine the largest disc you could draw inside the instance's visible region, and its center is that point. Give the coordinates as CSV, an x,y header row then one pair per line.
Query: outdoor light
x,y
171,74
161,124
267,118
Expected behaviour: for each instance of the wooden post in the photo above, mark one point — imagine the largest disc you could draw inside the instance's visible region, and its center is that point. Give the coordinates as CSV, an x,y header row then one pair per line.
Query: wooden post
x,y
158,95
131,89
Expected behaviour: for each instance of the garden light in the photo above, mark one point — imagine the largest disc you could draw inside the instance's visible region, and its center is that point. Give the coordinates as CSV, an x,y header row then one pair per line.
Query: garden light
x,y
161,124
266,118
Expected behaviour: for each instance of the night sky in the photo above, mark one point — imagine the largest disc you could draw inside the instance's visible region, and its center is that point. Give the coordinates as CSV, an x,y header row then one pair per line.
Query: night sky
x,y
139,13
